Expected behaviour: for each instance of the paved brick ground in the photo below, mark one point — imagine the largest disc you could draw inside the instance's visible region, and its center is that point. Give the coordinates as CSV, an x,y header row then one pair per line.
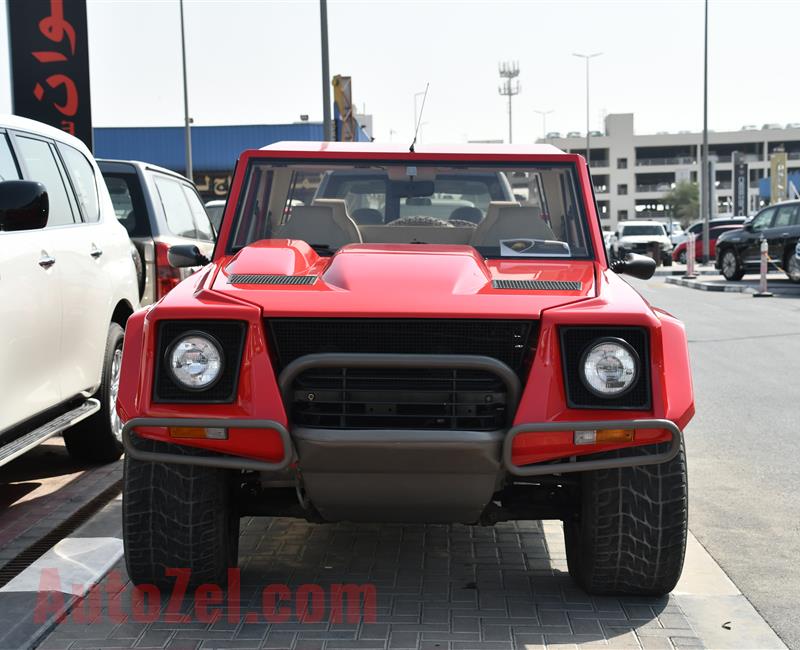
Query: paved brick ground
x,y
43,488
443,587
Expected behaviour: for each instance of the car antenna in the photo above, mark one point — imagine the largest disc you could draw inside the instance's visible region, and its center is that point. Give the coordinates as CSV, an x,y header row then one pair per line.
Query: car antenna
x,y
419,117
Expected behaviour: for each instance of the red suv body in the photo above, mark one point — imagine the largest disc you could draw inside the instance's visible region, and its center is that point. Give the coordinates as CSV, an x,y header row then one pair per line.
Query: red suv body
x,y
459,352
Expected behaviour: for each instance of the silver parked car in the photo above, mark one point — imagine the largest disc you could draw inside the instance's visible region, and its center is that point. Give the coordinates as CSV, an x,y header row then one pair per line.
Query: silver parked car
x,y
158,208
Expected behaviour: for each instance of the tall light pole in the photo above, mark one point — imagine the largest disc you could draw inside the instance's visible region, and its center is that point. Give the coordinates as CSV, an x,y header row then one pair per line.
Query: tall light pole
x,y
544,115
186,119
705,192
326,73
509,71
587,58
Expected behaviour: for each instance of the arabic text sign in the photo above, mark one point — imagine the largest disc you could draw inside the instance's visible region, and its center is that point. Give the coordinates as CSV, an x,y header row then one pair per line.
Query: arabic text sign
x,y
50,64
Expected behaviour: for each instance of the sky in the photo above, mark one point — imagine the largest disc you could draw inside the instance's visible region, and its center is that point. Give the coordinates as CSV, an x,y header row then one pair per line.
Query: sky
x,y
259,63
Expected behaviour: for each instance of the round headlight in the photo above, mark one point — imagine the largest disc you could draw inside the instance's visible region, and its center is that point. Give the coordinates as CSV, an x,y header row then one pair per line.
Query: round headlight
x,y
195,361
609,368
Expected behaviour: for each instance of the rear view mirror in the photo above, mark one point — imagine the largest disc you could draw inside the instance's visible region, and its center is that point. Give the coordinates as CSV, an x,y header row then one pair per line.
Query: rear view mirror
x,y
23,205
637,266
186,255
413,189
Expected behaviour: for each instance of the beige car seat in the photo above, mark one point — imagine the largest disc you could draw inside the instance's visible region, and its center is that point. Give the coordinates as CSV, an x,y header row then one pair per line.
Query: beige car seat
x,y
324,222
507,220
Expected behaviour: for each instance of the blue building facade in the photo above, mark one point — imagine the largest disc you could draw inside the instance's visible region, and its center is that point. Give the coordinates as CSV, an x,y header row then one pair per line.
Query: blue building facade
x,y
215,149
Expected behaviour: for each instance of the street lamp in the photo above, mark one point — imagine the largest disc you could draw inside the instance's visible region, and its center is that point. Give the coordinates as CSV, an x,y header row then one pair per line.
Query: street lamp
x,y
186,119
326,73
587,57
544,115
705,191
509,71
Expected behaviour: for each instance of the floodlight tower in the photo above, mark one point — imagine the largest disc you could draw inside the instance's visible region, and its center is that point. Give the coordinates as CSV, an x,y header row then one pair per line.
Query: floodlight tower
x,y
509,71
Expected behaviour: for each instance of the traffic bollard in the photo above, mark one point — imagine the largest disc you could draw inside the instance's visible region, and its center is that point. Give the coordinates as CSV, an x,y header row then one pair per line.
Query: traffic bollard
x,y
762,283
690,253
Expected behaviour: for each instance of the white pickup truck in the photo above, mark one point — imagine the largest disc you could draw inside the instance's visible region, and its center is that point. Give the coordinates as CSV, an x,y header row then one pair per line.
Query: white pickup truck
x,y
67,287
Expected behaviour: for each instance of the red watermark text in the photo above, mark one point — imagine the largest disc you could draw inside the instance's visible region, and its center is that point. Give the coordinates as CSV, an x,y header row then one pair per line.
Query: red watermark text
x,y
206,603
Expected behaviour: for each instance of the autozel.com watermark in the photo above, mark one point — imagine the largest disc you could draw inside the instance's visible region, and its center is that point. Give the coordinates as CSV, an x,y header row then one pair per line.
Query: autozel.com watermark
x,y
278,603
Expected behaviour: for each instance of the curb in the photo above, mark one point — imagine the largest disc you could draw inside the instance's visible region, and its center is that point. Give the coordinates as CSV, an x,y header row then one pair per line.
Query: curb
x,y
670,272
708,286
80,562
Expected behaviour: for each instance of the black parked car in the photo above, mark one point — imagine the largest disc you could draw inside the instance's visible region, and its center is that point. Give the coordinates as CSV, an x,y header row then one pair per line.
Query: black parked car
x,y
739,251
158,208
697,226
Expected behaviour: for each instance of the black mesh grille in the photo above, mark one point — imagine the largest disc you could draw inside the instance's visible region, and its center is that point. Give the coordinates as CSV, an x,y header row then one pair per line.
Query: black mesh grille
x,y
537,285
575,341
252,278
639,247
229,334
510,341
342,398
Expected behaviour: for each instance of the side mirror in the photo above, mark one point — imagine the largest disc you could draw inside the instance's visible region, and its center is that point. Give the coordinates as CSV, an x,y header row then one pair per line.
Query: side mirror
x,y
23,205
638,266
185,255
748,226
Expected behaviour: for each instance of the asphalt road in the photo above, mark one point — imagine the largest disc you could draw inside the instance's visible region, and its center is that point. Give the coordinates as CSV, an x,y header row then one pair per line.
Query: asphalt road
x,y
744,444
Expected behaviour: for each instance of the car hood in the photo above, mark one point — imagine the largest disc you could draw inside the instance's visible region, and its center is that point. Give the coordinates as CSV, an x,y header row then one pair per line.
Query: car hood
x,y
733,233
286,277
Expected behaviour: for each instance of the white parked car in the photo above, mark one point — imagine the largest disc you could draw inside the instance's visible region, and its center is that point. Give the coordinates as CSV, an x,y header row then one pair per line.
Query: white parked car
x,y
67,287
676,232
215,208
643,237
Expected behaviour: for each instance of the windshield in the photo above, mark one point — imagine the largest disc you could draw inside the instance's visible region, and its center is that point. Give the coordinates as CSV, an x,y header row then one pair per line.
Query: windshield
x,y
642,229
525,211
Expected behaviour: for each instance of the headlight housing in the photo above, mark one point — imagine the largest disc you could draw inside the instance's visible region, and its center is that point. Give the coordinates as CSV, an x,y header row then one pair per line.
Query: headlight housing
x,y
609,367
195,361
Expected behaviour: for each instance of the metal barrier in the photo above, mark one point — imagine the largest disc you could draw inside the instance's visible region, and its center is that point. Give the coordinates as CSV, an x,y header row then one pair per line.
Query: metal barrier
x,y
763,292
691,241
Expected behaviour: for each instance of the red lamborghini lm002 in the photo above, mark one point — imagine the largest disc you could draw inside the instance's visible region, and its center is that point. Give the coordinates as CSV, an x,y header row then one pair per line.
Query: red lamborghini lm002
x,y
429,336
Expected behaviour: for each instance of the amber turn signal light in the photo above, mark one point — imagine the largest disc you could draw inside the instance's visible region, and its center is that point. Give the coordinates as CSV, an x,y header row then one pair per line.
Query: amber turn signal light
x,y
593,437
208,433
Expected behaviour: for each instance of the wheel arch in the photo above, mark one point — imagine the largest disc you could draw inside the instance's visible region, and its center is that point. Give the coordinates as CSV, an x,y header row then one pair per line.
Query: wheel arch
x,y
122,312
788,251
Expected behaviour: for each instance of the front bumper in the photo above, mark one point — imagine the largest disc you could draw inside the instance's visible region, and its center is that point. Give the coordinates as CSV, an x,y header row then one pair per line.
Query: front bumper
x,y
487,446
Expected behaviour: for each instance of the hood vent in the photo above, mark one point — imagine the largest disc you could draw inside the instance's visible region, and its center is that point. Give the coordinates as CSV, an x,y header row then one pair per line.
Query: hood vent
x,y
537,285
255,278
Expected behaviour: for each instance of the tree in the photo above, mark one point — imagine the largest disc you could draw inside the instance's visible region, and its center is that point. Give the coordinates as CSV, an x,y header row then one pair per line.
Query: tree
x,y
684,201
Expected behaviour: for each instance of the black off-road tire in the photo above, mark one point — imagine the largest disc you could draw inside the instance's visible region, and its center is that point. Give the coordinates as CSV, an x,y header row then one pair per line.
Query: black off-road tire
x,y
178,517
94,439
791,265
735,272
629,537
668,260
